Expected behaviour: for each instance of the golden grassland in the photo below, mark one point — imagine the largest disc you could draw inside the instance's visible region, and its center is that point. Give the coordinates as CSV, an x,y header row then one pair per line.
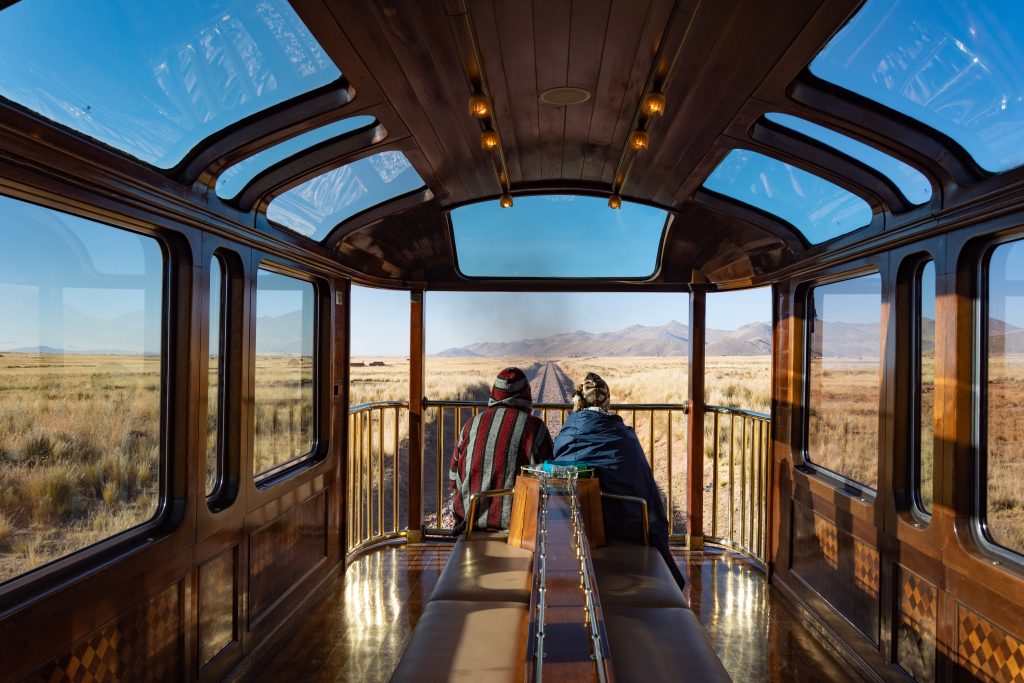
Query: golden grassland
x,y
79,452
80,441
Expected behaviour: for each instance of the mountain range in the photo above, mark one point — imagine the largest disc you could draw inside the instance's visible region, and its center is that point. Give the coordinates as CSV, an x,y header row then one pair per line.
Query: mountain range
x,y
670,339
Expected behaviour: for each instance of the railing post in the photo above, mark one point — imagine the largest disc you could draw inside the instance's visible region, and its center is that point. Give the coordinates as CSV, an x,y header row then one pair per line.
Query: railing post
x,y
695,438
417,359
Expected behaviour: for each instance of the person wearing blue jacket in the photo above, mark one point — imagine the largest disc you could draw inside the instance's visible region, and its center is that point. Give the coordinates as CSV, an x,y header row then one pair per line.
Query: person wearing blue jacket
x,y
595,437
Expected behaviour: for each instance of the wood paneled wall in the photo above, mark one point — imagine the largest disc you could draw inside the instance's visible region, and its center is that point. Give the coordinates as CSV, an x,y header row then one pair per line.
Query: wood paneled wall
x,y
198,595
906,596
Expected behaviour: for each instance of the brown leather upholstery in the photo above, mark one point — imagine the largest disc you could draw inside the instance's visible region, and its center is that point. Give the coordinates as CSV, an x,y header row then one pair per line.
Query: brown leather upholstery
x,y
635,575
651,644
477,642
486,568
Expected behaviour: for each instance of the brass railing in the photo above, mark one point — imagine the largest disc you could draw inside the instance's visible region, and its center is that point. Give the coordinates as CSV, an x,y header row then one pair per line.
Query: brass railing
x,y
375,473
736,464
661,428
739,450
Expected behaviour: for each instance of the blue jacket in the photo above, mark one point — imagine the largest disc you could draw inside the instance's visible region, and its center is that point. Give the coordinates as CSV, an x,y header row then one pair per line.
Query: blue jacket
x,y
604,442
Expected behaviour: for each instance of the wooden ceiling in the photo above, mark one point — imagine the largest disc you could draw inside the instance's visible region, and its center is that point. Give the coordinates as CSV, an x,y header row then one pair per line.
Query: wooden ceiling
x,y
713,57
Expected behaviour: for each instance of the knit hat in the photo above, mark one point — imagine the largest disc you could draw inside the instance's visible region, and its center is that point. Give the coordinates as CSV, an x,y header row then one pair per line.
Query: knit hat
x,y
592,392
511,388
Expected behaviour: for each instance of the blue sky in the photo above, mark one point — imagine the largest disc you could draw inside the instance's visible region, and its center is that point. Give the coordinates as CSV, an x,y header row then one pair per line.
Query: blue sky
x,y
380,318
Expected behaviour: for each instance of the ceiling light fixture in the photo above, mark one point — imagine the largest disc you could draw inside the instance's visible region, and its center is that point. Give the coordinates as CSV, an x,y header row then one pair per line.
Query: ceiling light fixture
x,y
489,140
615,202
654,104
481,100
479,106
639,140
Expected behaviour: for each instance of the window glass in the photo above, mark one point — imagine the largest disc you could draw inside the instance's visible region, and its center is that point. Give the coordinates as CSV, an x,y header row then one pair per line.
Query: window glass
x,y
285,340
924,463
233,180
214,375
154,78
954,65
820,210
557,236
316,206
844,363
911,183
1004,422
80,384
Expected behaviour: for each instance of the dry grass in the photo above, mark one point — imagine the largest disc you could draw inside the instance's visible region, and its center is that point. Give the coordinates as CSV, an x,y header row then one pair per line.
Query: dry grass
x,y
1005,463
283,410
79,452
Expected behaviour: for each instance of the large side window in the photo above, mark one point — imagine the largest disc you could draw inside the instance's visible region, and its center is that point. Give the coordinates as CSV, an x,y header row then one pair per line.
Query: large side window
x,y
843,353
285,343
1003,422
922,454
81,310
215,372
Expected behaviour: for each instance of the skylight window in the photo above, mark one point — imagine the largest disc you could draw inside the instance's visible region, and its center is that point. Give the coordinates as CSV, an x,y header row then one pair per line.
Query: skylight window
x,y
315,207
954,65
234,179
558,236
154,78
911,183
814,206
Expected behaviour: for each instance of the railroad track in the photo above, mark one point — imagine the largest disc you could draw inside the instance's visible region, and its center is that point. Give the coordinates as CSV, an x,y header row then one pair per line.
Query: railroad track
x,y
550,384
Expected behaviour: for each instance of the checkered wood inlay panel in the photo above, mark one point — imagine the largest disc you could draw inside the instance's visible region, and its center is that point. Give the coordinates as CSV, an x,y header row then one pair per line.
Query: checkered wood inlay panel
x,y
828,540
986,651
865,567
144,644
915,626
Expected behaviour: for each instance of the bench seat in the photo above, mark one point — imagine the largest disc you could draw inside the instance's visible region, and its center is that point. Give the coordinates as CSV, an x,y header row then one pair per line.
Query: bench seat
x,y
486,568
660,644
460,640
634,575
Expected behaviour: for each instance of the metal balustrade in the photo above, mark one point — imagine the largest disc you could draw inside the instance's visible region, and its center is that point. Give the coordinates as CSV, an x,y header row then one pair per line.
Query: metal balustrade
x,y
376,467
736,466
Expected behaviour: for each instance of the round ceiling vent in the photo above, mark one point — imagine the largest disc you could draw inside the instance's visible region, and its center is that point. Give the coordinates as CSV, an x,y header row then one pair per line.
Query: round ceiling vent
x,y
564,97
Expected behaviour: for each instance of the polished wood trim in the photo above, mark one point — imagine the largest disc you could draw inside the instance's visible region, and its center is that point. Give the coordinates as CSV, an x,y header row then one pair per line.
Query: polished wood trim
x,y
417,395
695,419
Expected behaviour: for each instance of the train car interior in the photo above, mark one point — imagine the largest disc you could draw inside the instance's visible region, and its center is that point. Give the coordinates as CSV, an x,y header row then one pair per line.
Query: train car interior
x,y
193,193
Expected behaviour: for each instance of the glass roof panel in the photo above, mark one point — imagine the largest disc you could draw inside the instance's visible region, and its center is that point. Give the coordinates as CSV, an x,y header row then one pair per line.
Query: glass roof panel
x,y
558,236
814,206
954,65
911,182
236,177
153,78
316,206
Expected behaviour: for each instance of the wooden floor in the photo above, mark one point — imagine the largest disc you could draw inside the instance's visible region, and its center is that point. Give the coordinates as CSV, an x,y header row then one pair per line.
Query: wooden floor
x,y
360,629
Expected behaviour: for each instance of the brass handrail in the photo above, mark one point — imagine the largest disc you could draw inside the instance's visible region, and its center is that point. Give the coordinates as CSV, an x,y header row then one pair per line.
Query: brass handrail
x,y
643,510
471,508
736,468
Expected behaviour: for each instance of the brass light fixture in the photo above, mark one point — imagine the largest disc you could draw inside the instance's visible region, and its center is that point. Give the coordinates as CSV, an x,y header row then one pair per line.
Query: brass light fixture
x,y
615,202
654,104
506,201
489,140
639,140
479,106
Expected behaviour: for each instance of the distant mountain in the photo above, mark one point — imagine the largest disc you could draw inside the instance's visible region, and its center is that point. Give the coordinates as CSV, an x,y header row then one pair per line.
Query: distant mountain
x,y
671,339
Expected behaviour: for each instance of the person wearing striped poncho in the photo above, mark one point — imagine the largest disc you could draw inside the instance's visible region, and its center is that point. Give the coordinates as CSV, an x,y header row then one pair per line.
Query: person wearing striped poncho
x,y
493,446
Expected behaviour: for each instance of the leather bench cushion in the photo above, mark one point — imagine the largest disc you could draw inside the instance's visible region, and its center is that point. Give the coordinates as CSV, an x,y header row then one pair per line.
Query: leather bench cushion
x,y
634,575
477,642
660,644
486,568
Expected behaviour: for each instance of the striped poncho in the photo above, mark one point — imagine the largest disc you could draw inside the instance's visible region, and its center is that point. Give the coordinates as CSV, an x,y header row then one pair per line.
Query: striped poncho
x,y
493,446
